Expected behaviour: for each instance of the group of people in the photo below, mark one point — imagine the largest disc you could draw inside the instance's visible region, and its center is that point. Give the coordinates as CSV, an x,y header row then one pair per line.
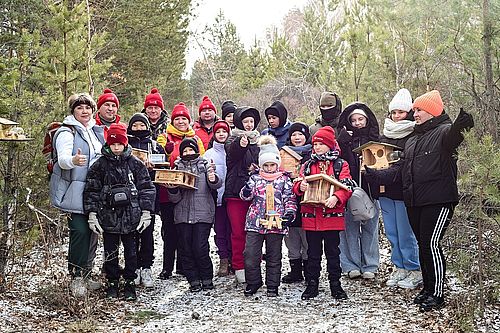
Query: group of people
x,y
242,191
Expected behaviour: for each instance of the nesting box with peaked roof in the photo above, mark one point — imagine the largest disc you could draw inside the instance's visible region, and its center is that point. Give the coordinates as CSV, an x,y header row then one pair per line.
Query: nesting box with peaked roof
x,y
141,154
290,161
9,131
321,187
377,155
176,178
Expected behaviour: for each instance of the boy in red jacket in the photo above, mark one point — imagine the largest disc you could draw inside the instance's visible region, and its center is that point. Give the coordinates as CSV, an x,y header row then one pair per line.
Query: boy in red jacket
x,y
323,223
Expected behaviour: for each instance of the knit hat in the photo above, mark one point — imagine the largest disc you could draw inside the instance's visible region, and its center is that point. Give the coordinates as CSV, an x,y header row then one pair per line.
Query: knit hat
x,y
221,124
206,103
180,109
139,117
268,150
325,135
299,127
243,112
117,133
107,96
430,102
358,111
227,108
328,99
154,98
188,142
401,101
279,110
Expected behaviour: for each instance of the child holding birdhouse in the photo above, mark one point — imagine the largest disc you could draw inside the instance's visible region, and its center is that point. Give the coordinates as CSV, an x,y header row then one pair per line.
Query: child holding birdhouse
x,y
271,211
194,215
323,222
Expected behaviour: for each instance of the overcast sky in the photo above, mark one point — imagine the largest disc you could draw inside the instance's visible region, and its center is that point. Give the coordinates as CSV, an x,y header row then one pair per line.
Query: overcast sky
x,y
251,18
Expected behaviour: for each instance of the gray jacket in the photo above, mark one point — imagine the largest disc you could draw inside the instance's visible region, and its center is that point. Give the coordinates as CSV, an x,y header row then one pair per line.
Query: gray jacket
x,y
66,186
195,206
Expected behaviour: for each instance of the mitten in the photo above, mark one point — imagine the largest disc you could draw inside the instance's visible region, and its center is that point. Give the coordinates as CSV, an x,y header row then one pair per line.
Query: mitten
x,y
94,224
169,147
144,222
246,191
464,120
287,219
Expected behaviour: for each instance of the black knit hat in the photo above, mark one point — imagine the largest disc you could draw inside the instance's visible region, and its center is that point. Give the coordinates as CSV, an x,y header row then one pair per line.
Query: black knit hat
x,y
188,142
279,110
138,117
227,108
299,127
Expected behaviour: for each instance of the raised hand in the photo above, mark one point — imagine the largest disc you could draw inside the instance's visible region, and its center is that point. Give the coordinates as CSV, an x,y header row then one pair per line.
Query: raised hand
x,y
79,159
243,141
464,120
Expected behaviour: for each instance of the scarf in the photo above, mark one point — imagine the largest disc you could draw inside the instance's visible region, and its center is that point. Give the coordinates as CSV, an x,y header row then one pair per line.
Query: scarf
x,y
252,136
301,150
180,134
270,176
398,130
332,155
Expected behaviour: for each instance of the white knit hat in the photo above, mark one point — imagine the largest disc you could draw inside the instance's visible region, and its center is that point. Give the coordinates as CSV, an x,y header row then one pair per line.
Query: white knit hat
x,y
401,101
358,111
268,150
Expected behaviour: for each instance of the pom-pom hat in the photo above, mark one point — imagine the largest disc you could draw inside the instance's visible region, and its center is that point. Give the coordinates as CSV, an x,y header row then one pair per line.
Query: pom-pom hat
x,y
154,98
269,152
180,109
107,96
206,103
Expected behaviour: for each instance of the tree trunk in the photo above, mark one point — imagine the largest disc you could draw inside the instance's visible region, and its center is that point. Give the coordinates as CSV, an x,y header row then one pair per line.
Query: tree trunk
x,y
490,110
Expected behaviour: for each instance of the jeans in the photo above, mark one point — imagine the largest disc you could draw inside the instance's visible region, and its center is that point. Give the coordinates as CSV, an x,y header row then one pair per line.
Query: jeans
x,y
195,251
398,231
359,248
253,255
111,249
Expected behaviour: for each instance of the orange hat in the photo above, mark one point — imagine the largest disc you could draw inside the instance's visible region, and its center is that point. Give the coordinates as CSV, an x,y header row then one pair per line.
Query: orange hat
x,y
430,102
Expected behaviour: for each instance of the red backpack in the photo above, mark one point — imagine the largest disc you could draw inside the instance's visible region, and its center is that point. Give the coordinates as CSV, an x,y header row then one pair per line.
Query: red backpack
x,y
48,150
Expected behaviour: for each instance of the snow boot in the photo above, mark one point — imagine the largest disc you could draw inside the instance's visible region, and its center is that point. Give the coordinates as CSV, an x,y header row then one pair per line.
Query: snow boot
x,y
223,267
165,274
272,292
337,291
207,285
112,290
251,289
129,291
147,278
311,289
195,286
295,274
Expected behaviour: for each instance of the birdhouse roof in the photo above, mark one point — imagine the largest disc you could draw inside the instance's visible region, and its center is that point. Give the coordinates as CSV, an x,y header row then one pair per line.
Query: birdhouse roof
x,y
5,121
290,151
372,143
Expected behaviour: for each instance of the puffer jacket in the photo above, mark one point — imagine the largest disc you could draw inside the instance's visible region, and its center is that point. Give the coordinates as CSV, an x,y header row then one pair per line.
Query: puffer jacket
x,y
217,154
195,206
319,217
430,163
284,201
126,170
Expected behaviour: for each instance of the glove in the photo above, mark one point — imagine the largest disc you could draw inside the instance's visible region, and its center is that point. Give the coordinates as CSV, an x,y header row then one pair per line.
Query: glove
x,y
464,120
246,191
169,147
287,220
372,175
144,222
94,224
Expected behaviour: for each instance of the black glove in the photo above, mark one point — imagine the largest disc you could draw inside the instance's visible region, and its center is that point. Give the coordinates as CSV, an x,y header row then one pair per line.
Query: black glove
x,y
246,191
371,175
287,220
464,120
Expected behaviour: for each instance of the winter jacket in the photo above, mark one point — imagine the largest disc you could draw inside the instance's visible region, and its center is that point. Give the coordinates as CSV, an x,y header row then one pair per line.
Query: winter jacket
x,y
195,206
68,180
320,122
430,163
110,171
160,126
175,136
284,201
319,217
99,122
217,154
280,133
359,137
205,134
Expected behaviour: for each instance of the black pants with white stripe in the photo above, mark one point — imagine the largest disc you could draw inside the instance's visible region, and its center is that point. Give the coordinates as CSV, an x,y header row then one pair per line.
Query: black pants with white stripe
x,y
429,223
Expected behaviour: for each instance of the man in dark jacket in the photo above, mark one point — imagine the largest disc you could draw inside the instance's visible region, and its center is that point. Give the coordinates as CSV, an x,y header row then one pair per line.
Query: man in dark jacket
x,y
330,107
430,188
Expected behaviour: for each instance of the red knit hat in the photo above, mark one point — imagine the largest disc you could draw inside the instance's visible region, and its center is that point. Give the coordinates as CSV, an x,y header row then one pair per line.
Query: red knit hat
x,y
206,103
154,98
107,96
430,102
325,135
117,133
222,124
180,109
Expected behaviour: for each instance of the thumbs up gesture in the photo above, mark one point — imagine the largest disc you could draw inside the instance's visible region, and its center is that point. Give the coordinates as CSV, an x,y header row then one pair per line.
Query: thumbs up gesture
x,y
464,120
79,159
243,141
211,172
303,185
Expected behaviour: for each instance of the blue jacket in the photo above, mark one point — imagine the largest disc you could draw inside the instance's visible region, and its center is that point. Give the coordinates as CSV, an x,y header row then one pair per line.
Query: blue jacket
x,y
280,133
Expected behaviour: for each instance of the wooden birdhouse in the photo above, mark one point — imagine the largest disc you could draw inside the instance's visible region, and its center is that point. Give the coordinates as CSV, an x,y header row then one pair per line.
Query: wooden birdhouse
x,y
321,187
273,219
9,131
290,161
176,178
141,154
377,155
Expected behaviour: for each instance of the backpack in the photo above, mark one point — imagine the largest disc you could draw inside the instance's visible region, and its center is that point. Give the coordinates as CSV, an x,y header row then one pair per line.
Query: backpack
x,y
48,150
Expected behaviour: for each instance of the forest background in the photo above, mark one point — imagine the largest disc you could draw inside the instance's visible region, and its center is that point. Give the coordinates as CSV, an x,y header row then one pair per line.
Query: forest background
x,y
363,50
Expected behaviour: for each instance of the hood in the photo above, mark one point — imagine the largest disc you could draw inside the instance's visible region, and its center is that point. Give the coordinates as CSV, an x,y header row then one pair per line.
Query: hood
x,y
71,120
278,109
243,112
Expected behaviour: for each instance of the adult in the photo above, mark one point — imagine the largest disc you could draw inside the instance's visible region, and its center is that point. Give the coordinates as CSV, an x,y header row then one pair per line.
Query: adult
x,y
107,109
330,107
242,154
277,118
228,109
155,111
430,188
207,117
359,254
78,145
178,129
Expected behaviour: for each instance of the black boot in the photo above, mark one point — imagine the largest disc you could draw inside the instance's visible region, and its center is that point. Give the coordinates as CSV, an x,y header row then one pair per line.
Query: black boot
x,y
112,290
129,291
432,303
421,297
311,289
337,291
251,289
272,292
195,286
165,274
295,274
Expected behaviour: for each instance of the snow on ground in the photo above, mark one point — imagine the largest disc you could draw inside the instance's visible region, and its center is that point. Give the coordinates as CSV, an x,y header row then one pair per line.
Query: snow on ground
x,y
39,301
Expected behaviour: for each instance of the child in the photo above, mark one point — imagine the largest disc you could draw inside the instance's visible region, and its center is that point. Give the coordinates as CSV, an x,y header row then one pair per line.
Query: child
x,y
193,216
228,109
217,154
299,140
256,190
359,243
139,136
119,198
324,223
277,117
